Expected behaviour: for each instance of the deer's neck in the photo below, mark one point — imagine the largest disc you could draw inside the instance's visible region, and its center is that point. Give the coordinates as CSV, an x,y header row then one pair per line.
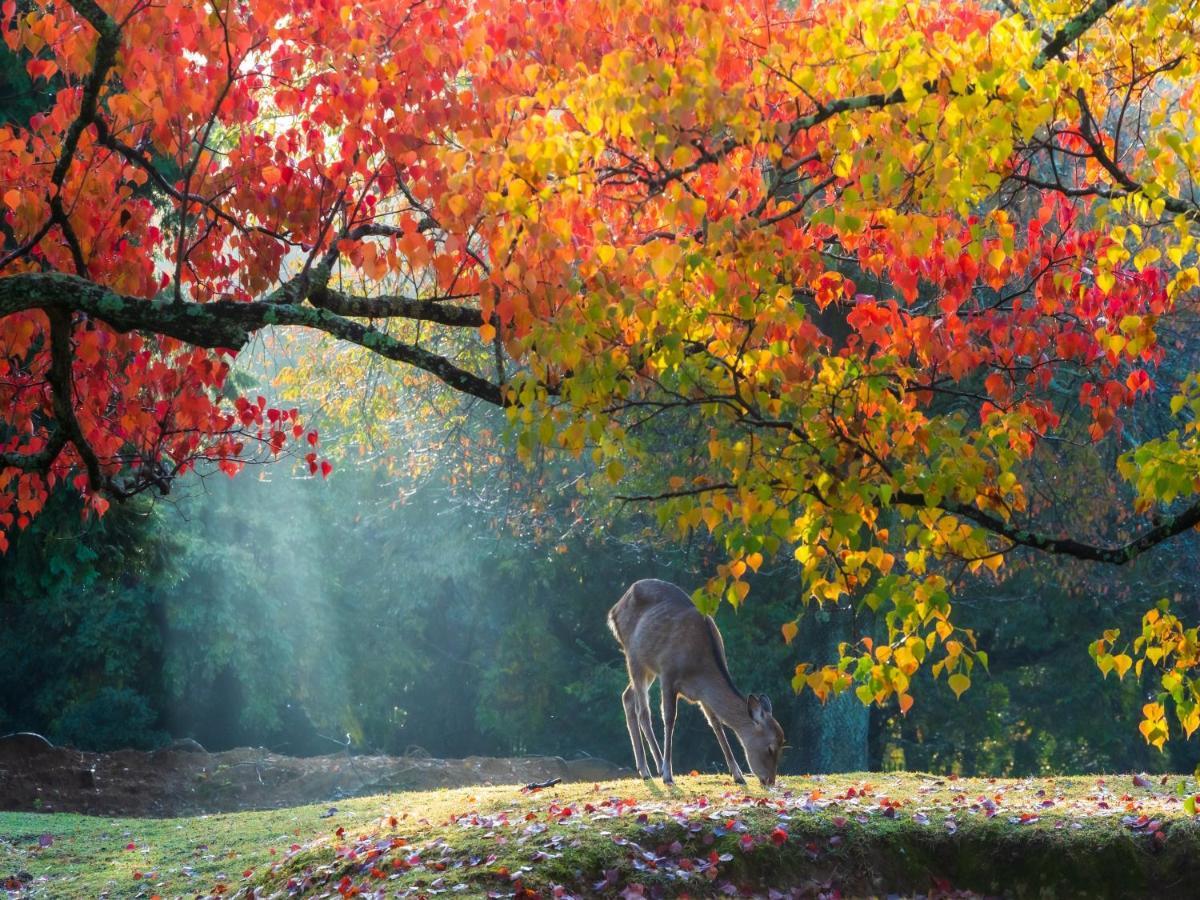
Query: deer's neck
x,y
728,705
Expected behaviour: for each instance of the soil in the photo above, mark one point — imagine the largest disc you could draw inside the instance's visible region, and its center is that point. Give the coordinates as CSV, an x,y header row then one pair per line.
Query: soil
x,y
184,780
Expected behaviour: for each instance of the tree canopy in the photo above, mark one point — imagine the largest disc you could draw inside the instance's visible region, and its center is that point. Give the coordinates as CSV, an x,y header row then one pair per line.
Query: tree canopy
x,y
818,278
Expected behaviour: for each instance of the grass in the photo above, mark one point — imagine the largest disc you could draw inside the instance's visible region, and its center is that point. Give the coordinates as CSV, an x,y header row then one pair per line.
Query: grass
x,y
859,834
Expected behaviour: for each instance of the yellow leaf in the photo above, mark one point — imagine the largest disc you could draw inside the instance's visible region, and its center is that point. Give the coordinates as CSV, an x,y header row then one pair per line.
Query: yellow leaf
x,y
1122,664
737,592
790,630
605,253
958,683
487,331
662,263
906,702
754,560
457,204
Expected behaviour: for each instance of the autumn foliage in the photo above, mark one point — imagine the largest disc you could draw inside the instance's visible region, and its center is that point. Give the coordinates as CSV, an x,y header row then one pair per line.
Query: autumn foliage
x,y
866,256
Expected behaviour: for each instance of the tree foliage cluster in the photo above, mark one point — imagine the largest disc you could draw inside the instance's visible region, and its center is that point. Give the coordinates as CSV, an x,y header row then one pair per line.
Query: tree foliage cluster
x,y
871,258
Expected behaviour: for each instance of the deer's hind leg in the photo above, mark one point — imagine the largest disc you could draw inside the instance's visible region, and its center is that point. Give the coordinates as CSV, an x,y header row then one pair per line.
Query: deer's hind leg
x,y
633,723
641,691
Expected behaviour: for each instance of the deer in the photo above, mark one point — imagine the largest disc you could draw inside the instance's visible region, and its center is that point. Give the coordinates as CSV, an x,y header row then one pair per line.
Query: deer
x,y
665,636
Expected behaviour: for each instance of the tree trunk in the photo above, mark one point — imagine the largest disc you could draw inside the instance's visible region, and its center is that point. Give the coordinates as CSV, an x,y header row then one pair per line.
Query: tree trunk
x,y
833,737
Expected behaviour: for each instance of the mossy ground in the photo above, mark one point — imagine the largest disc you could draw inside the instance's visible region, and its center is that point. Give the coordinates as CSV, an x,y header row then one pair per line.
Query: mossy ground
x,y
858,834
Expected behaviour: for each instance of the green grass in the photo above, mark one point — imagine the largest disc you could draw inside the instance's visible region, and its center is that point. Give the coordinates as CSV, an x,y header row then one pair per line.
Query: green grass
x,y
863,834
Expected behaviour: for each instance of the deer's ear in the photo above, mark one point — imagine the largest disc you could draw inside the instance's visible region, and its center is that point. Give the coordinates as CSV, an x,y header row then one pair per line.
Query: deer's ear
x,y
765,702
754,705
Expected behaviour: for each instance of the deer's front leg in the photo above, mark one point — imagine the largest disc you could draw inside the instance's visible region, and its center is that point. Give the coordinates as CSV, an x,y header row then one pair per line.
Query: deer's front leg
x,y
670,707
730,760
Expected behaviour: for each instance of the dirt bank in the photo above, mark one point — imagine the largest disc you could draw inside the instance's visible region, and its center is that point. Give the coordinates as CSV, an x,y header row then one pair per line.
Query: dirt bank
x,y
35,776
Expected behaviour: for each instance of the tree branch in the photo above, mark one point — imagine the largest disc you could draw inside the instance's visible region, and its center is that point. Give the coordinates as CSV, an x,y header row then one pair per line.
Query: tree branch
x,y
223,324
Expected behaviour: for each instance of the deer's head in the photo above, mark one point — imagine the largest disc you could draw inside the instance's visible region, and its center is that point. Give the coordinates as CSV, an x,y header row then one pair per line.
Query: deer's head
x,y
764,740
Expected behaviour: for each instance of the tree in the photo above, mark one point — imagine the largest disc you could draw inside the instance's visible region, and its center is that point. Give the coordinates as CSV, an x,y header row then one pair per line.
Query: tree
x,y
869,255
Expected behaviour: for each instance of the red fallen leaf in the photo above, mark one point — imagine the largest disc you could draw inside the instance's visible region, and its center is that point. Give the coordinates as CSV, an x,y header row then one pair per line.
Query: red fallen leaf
x,y
341,832
393,821
247,873
779,837
137,876
131,846
747,842
1141,781
839,821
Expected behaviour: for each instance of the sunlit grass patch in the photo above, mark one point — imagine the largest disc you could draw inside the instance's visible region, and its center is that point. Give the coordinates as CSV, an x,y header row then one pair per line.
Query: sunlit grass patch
x,y
854,833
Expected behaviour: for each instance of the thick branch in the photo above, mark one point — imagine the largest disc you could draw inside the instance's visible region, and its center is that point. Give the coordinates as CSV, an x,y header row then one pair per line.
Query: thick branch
x,y
1071,31
1169,528
39,461
62,384
222,324
395,306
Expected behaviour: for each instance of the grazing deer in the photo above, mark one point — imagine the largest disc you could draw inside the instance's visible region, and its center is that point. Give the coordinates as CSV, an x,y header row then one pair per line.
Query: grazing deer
x,y
664,636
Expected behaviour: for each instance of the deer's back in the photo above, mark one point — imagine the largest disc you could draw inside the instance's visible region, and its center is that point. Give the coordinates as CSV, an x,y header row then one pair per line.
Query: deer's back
x,y
660,628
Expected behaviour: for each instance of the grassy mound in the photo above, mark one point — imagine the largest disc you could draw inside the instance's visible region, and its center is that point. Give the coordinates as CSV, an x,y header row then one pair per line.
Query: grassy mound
x,y
854,835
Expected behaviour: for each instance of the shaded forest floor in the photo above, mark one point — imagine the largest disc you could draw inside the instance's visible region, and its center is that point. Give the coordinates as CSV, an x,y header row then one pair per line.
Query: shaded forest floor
x,y
36,777
846,835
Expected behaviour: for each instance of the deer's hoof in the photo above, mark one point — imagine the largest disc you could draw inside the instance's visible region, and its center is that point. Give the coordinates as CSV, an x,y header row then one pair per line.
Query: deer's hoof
x,y
739,779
